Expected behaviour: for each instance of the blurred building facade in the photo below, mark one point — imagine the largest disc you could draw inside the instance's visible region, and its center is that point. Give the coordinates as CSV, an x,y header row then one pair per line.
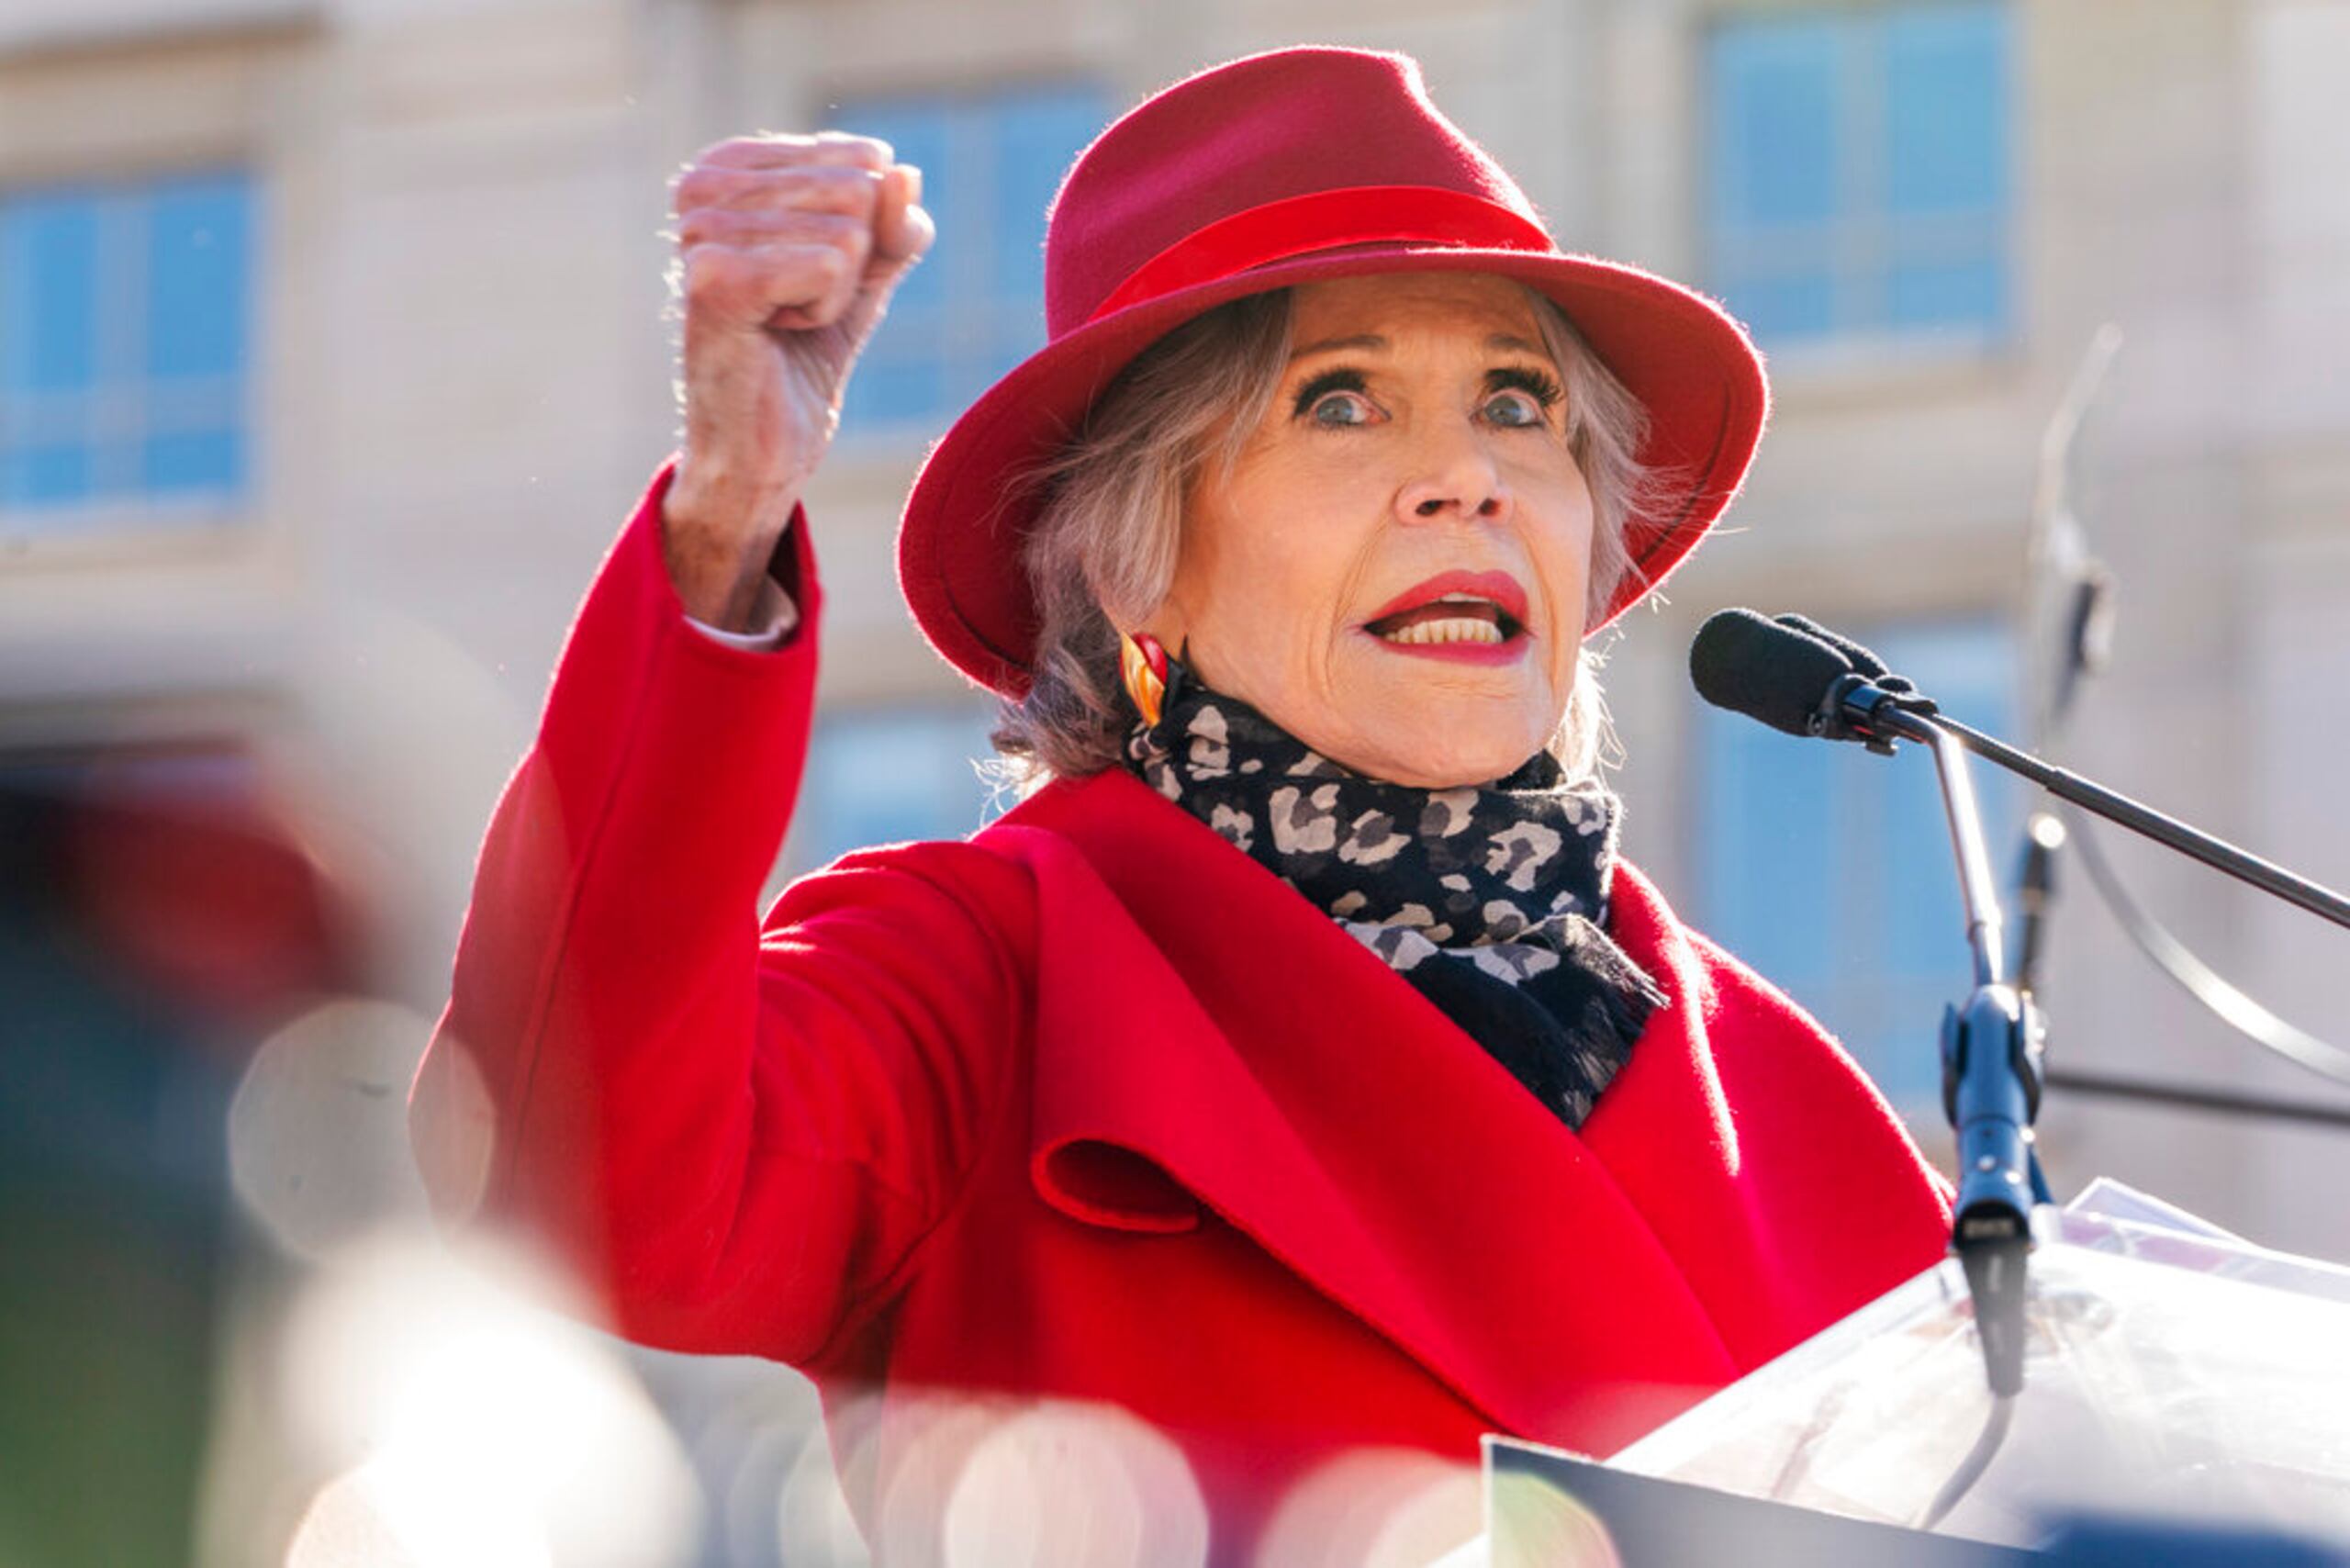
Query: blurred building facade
x,y
335,343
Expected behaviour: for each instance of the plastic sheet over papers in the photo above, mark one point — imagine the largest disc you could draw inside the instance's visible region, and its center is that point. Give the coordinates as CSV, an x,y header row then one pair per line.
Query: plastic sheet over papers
x,y
2175,1373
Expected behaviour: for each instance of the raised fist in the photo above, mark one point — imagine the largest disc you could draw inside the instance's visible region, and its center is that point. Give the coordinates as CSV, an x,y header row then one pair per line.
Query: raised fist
x,y
787,248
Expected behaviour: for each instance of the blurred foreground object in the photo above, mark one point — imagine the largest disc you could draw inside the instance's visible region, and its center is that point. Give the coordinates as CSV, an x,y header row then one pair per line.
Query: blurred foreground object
x,y
156,913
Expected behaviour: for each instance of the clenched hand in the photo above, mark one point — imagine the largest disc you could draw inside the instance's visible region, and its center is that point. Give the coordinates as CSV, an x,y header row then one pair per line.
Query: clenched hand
x,y
788,249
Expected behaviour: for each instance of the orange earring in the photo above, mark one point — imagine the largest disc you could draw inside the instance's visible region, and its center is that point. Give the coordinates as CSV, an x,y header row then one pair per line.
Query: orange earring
x,y
1142,664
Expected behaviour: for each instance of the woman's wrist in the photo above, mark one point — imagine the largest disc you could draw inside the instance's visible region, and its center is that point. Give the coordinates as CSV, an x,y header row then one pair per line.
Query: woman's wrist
x,y
717,540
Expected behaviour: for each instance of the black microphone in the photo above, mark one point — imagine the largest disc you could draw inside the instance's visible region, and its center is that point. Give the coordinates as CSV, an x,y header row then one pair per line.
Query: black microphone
x,y
1802,680
1749,664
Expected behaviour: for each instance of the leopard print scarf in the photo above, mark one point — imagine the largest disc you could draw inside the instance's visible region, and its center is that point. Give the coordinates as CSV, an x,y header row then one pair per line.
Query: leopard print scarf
x,y
1491,899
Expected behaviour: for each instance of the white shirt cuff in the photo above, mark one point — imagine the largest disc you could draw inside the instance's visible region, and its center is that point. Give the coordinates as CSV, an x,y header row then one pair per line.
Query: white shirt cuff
x,y
773,617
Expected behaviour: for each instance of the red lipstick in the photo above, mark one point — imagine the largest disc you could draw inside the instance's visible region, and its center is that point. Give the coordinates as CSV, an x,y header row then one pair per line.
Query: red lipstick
x,y
1498,587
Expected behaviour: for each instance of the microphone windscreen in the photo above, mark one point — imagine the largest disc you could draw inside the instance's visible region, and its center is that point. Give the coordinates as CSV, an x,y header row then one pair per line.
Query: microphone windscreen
x,y
1861,658
1749,664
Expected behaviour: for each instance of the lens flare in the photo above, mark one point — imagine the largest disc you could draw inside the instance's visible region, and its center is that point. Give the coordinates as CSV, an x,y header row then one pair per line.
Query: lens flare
x,y
1067,1483
317,1131
1374,1508
477,1417
384,1515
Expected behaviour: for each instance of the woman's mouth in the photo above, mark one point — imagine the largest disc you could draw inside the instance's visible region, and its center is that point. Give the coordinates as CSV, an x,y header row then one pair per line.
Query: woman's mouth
x,y
1460,617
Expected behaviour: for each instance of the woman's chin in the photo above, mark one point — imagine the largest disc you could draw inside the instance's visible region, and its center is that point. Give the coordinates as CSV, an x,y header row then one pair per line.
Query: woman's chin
x,y
1447,752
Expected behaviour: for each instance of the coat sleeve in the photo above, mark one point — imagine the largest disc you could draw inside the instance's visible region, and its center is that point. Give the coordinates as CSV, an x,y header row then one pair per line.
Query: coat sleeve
x,y
734,1134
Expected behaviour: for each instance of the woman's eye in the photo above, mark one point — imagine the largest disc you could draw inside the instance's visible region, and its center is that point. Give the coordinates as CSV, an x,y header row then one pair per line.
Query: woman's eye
x,y
1513,409
1340,408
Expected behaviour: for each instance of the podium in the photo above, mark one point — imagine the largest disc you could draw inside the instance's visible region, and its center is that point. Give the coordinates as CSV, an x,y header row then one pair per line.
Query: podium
x,y
2186,1390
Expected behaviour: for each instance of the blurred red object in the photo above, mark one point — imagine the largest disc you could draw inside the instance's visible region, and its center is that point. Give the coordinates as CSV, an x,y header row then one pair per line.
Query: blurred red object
x,y
185,871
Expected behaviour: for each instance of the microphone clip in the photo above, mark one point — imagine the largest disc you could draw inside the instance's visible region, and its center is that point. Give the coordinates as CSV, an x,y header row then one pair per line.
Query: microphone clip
x,y
1850,711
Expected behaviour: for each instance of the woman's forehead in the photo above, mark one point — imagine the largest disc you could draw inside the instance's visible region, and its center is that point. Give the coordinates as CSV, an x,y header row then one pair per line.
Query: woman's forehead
x,y
1352,312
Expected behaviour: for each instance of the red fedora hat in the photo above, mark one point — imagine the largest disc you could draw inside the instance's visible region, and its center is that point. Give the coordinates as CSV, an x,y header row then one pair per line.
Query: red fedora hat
x,y
1275,170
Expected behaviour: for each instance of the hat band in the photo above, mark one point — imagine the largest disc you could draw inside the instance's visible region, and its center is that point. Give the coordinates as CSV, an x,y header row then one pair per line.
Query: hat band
x,y
1296,226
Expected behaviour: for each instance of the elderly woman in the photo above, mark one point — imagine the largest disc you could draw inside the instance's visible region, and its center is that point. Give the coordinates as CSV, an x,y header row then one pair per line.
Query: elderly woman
x,y
1295,1069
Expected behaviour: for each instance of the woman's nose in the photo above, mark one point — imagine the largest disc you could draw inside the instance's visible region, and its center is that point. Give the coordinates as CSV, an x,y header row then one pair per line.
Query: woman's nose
x,y
1460,480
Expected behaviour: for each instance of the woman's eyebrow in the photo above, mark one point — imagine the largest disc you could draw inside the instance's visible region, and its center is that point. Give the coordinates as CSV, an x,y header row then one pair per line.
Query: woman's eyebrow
x,y
1370,340
1503,342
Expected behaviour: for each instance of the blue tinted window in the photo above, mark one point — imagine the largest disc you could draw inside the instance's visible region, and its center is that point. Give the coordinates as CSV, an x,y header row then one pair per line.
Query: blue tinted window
x,y
196,278
1039,135
1830,870
1776,120
194,461
991,162
1789,306
917,131
126,324
886,379
1757,867
1858,176
1945,110
52,474
49,311
1946,294
884,776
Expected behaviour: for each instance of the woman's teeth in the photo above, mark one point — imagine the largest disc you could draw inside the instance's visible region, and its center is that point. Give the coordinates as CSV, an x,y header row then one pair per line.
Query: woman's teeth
x,y
1451,629
1454,618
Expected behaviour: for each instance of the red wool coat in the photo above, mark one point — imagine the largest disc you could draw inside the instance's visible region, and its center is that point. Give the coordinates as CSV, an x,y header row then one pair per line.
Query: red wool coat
x,y
1093,1106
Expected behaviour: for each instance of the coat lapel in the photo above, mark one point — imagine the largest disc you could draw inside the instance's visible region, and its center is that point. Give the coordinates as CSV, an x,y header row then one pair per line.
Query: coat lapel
x,y
1206,1037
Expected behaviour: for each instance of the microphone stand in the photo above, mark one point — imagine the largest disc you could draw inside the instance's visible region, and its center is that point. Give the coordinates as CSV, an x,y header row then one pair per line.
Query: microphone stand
x,y
1992,1072
1993,1046
1991,1056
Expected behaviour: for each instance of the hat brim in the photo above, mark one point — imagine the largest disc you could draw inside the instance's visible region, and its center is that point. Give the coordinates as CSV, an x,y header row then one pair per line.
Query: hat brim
x,y
1691,366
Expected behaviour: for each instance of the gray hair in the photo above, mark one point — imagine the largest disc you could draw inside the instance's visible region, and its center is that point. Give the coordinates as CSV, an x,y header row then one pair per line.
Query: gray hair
x,y
1102,550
